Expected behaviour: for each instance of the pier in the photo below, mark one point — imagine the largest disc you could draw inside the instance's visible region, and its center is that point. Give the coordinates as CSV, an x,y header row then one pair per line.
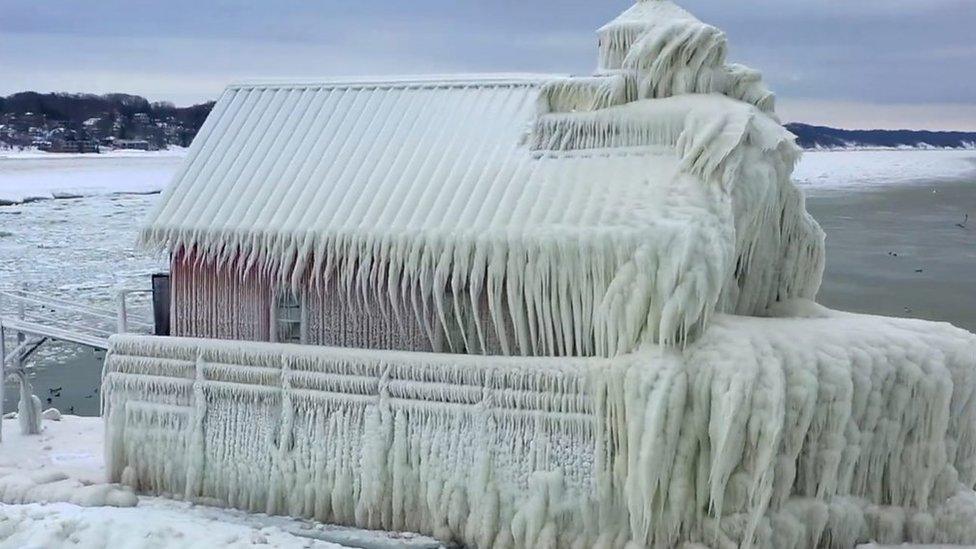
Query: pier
x,y
32,319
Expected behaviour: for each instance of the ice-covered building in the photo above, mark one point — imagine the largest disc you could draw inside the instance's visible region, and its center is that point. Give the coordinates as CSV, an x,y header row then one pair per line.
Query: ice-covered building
x,y
536,311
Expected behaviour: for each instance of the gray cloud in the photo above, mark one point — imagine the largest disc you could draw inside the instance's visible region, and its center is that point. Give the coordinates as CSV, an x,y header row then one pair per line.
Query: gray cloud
x,y
900,57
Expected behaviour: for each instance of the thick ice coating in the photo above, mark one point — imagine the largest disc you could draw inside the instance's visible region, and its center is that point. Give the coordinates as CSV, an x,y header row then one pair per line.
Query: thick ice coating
x,y
665,51
636,232
586,214
767,432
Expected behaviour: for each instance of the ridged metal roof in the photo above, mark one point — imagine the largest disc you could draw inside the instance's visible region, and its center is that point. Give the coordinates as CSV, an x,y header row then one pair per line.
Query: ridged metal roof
x,y
390,157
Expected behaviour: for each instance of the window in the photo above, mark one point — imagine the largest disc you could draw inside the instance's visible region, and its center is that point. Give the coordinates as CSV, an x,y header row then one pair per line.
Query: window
x,y
288,318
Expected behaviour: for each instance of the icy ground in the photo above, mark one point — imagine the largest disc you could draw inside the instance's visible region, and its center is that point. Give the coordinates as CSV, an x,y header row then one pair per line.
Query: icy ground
x,y
73,447
825,171
32,176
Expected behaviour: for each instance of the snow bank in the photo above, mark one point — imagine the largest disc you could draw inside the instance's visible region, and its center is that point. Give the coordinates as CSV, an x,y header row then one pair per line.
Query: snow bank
x,y
63,525
33,471
16,487
781,432
74,447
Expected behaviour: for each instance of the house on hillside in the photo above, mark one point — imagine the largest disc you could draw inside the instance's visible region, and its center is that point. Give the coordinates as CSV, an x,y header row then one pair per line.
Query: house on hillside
x,y
531,311
131,144
61,145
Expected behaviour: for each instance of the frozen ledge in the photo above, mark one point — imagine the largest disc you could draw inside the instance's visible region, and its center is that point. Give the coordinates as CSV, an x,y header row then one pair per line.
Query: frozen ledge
x,y
780,432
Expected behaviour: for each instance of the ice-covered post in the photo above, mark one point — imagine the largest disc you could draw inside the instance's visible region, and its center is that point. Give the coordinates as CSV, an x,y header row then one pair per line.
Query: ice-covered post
x,y
29,408
123,321
3,370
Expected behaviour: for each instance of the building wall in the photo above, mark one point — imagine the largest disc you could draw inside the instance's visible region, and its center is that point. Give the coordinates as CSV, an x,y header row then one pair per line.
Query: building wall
x,y
219,302
215,301
364,321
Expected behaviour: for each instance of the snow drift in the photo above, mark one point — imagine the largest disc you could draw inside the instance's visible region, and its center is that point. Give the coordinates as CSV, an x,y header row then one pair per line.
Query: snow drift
x,y
45,486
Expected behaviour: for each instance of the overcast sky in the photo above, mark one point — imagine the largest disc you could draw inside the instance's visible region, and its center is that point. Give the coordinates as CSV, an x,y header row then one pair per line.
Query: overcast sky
x,y
850,63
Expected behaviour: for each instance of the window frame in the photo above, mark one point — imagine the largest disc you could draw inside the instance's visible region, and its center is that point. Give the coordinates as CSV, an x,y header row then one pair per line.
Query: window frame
x,y
277,320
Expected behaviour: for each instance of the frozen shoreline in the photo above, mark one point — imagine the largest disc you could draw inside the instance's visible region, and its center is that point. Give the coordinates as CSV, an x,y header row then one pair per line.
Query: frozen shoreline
x,y
172,151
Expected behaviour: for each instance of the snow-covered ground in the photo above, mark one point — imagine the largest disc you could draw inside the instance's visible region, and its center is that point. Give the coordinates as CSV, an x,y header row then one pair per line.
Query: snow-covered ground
x,y
825,171
36,175
72,448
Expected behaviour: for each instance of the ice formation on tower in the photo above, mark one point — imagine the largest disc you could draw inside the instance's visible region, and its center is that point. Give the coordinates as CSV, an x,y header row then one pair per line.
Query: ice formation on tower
x,y
632,241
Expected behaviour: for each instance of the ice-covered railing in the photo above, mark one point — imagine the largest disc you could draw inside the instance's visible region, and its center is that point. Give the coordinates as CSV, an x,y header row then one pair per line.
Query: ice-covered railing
x,y
829,431
42,313
28,319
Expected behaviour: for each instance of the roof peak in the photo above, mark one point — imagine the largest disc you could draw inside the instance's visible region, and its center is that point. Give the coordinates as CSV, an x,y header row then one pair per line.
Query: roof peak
x,y
646,12
424,80
664,50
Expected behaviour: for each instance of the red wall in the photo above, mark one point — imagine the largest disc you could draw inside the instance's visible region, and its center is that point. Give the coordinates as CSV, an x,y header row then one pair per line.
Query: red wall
x,y
211,301
223,302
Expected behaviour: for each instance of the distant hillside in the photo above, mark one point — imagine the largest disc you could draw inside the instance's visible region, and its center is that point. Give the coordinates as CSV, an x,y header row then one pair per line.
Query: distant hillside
x,y
30,118
821,137
78,107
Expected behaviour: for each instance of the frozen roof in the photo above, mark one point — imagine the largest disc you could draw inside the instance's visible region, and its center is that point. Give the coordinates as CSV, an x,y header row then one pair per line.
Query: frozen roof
x,y
295,165
614,209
